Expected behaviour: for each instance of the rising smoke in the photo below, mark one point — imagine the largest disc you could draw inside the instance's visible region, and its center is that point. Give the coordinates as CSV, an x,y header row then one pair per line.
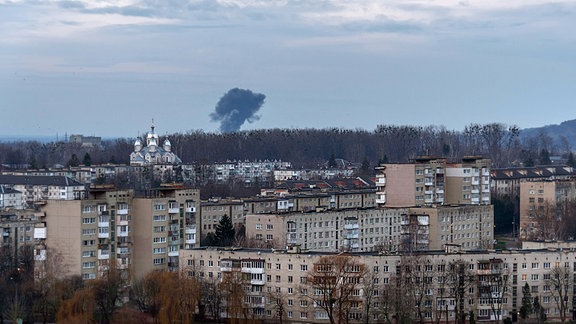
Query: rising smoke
x,y
236,107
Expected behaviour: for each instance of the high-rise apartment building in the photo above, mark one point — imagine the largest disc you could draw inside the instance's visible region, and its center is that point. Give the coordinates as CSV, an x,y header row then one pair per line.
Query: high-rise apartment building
x,y
136,233
432,181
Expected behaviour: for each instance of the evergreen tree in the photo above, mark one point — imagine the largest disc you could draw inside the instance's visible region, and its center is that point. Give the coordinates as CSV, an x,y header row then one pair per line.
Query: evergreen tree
x,y
87,159
225,231
332,161
33,164
545,157
74,161
365,168
527,307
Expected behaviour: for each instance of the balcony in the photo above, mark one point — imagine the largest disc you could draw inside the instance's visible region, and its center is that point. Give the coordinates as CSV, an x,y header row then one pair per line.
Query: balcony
x,y
351,226
258,282
173,253
252,270
190,209
103,254
122,223
39,233
190,241
104,235
173,210
40,255
104,224
122,233
123,211
380,181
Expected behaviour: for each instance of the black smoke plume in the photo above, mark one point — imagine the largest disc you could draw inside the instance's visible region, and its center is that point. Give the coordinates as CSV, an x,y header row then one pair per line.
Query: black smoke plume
x,y
236,107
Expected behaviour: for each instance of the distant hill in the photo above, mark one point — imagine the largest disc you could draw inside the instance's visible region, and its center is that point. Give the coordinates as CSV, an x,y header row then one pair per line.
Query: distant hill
x,y
565,132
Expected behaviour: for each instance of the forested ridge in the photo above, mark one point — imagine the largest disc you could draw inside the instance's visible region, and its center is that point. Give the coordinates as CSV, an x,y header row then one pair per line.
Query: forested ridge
x,y
308,148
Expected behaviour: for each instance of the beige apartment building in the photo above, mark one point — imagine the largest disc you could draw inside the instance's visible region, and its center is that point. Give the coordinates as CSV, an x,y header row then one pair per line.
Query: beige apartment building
x,y
376,229
213,210
136,233
487,283
89,235
164,224
468,182
432,181
506,181
541,206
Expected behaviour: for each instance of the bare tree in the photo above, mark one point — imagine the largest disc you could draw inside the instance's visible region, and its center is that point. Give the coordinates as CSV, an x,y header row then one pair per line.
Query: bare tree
x,y
336,281
561,281
460,279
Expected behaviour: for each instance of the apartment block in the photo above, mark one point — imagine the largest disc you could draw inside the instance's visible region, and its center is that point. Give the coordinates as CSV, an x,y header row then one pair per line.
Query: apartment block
x,y
135,232
487,284
10,198
432,181
541,206
23,236
92,234
213,210
506,181
468,182
40,188
467,227
376,229
164,223
411,184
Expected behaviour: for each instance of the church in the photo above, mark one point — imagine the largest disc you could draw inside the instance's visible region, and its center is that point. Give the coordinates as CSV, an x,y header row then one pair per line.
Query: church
x,y
153,153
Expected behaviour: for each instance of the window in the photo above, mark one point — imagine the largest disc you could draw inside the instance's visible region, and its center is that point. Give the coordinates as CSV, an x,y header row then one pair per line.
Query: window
x,y
88,242
160,240
269,226
89,220
159,261
258,226
88,231
88,265
303,267
159,218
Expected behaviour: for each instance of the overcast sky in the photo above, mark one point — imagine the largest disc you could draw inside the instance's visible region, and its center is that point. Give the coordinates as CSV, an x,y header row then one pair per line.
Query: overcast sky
x,y
107,68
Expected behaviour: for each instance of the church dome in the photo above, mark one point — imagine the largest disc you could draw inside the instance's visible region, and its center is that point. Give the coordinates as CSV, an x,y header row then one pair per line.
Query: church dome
x,y
167,145
137,145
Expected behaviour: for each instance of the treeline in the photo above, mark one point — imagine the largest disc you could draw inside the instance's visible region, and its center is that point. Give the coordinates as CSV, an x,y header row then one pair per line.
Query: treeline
x,y
309,148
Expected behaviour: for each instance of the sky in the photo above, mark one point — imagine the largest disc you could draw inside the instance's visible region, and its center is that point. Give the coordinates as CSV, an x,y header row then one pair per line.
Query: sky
x,y
108,68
